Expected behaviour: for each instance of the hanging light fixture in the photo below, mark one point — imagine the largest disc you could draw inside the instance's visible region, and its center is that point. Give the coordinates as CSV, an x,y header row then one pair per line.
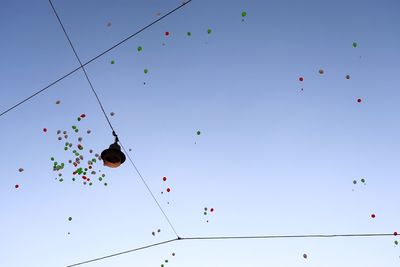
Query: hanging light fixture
x,y
113,157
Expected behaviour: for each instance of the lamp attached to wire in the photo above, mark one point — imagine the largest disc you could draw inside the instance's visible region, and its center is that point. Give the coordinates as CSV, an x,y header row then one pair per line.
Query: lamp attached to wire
x,y
113,157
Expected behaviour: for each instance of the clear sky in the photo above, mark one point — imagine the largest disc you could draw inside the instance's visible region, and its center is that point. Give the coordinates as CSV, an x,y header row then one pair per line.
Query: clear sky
x,y
271,158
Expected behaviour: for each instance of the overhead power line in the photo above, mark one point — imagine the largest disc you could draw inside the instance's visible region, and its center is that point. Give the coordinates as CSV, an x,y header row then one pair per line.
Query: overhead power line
x,y
123,252
210,238
108,120
93,59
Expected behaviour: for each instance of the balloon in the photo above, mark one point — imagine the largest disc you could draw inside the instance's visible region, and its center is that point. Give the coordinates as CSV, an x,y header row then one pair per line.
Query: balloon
x,y
373,216
58,102
168,189
305,256
45,130
244,14
198,132
20,170
347,77
354,182
16,186
359,100
301,79
209,31
355,44
164,178
112,61
112,114
166,33
139,48
145,71
321,71
189,34
70,219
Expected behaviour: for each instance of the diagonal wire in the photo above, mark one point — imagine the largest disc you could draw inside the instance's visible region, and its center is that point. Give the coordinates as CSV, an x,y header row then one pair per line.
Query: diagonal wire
x,y
108,120
148,189
93,59
242,237
80,63
123,252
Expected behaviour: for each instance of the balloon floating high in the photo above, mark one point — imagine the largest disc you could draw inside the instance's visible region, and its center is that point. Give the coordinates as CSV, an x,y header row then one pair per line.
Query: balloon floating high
x,y
113,156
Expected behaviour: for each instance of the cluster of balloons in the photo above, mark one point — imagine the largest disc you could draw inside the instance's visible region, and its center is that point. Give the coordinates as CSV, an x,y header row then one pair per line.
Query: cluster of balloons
x,y
85,172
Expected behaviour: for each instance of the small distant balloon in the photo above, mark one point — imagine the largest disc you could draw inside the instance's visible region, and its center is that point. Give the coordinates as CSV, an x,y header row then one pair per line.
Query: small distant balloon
x,y
301,79
45,130
145,71
20,169
112,114
139,48
373,216
112,61
109,24
354,182
69,218
198,132
166,33
355,44
305,256
58,102
244,14
395,233
321,71
164,178
16,186
359,100
209,31
168,189
189,34
347,77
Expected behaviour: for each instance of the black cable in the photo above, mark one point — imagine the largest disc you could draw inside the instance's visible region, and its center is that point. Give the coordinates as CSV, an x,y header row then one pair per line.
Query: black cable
x,y
94,58
108,120
237,237
123,252
283,236
83,68
148,188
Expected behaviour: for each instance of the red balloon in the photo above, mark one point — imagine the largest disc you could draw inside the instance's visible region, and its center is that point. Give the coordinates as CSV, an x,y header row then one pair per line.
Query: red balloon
x,y
83,116
395,233
16,186
168,190
212,209
373,216
166,33
301,79
164,178
359,100
44,130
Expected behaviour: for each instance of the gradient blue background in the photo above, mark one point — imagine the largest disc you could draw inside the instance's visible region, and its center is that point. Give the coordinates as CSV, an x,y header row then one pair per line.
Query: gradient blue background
x,y
271,159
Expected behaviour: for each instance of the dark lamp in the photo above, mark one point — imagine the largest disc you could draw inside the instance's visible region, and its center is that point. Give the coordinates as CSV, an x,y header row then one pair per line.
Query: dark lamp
x,y
113,157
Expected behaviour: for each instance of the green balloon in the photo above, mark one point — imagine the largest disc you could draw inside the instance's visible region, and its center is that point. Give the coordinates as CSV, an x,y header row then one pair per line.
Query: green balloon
x,y
145,71
354,44
198,132
209,31
363,180
112,61
70,219
139,48
189,34
244,14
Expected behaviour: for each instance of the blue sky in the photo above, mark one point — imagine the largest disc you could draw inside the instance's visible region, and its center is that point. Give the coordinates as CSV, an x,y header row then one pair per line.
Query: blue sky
x,y
271,158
